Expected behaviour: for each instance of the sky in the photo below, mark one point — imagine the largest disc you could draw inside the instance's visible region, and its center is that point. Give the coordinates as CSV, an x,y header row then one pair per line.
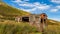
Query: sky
x,y
50,7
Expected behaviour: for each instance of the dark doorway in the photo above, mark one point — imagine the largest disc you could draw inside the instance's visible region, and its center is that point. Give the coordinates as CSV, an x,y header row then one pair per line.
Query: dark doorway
x,y
25,19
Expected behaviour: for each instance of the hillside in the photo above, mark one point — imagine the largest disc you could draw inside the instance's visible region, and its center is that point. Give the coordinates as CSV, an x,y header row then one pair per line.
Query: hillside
x,y
8,11
52,22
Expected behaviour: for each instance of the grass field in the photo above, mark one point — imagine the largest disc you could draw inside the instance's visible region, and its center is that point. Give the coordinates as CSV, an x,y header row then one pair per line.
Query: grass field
x,y
12,27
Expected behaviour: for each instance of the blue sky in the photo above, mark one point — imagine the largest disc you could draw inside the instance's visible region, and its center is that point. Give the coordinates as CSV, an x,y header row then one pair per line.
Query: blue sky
x,y
50,7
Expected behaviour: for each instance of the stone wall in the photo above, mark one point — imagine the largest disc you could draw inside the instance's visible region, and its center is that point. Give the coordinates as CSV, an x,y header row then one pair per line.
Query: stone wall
x,y
34,20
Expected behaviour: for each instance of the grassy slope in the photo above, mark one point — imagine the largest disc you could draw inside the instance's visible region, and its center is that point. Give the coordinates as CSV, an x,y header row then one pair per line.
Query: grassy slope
x,y
8,10
52,22
53,27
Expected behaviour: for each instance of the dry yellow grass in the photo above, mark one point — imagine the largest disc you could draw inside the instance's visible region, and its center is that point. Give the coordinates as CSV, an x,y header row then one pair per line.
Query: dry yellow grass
x,y
12,27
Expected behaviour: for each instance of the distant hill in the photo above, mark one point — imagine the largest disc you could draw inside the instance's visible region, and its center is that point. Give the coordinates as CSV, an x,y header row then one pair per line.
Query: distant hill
x,y
52,22
6,10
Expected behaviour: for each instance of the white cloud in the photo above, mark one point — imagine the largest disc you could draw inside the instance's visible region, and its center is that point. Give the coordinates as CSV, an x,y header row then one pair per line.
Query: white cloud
x,y
41,6
17,1
58,7
56,1
44,7
20,1
26,4
36,5
28,10
54,10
